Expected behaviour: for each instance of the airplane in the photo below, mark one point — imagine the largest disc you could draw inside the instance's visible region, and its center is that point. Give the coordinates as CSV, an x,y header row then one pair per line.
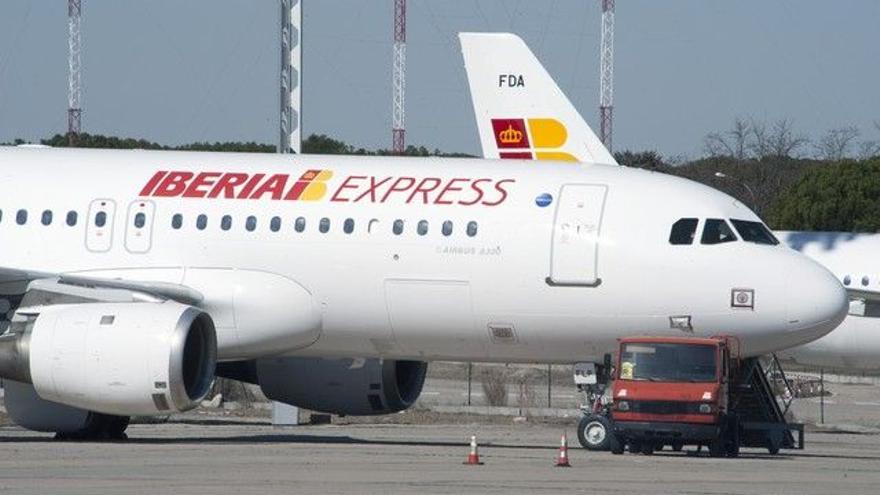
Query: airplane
x,y
855,345
130,279
494,59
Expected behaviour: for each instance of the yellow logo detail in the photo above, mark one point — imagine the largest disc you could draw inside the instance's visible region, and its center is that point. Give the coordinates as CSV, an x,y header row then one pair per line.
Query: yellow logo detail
x,y
510,135
317,187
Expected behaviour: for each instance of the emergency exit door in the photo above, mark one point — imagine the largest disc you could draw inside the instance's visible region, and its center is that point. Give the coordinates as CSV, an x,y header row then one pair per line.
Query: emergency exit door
x,y
574,254
99,229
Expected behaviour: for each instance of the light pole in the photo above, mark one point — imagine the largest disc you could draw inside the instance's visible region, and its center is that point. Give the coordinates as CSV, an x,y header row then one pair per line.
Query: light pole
x,y
722,175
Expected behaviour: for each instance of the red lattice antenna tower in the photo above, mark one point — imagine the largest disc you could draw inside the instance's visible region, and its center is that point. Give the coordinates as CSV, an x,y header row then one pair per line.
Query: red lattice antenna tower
x,y
74,66
398,81
606,85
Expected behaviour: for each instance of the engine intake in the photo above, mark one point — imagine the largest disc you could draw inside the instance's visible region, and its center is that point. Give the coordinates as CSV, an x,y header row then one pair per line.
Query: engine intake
x,y
126,359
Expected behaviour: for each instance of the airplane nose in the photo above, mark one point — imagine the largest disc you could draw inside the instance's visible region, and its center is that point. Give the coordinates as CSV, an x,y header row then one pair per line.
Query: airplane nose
x,y
817,302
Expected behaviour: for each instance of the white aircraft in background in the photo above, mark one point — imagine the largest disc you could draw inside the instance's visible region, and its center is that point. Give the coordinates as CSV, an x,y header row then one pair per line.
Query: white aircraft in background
x,y
511,89
128,274
855,259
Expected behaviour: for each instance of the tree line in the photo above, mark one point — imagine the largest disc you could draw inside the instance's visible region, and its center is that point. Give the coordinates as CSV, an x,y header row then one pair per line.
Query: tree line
x,y
794,183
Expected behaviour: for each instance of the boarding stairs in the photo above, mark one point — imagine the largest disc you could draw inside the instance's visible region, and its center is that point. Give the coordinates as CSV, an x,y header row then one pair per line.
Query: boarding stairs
x,y
761,397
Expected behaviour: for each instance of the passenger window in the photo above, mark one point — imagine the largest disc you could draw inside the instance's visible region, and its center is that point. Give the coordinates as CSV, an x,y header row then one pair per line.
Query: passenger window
x,y
251,223
324,225
100,219
140,220
683,232
202,222
755,232
716,231
847,280
275,224
348,226
397,228
447,228
21,217
300,224
422,227
1,215
226,222
71,218
47,217
865,281
472,229
177,221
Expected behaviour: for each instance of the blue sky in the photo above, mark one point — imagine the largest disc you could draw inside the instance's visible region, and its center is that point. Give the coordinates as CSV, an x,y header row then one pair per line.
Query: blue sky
x,y
180,71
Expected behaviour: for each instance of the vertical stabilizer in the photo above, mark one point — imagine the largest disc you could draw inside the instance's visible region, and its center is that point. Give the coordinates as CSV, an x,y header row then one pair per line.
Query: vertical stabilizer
x,y
521,112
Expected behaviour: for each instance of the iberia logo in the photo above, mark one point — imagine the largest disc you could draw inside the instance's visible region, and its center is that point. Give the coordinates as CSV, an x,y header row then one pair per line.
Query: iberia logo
x,y
311,186
315,185
527,139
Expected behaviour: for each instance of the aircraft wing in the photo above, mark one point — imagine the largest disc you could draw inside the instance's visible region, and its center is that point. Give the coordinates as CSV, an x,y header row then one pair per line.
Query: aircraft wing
x,y
16,281
865,295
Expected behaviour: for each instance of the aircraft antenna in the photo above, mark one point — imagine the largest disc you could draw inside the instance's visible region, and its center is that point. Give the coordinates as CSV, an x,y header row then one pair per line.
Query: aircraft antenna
x,y
398,81
74,66
290,121
606,87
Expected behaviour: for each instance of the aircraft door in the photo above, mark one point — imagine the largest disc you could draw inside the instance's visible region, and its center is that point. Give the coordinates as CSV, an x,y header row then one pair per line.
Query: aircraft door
x,y
139,226
99,229
574,255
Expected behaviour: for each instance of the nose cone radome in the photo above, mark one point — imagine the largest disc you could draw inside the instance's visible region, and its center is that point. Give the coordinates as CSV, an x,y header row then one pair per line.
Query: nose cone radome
x,y
817,301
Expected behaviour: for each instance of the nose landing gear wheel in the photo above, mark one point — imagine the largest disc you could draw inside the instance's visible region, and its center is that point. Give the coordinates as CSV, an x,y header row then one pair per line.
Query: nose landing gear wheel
x,y
594,432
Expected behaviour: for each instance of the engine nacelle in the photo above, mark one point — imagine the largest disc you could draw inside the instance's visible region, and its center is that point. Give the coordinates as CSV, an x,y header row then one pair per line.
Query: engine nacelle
x,y
127,359
357,387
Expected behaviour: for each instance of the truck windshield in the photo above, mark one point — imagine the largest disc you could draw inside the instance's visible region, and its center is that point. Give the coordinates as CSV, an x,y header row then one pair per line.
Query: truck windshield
x,y
668,362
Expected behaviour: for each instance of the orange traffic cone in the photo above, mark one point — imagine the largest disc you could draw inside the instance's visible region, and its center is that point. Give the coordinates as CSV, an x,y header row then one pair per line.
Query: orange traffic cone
x,y
562,460
473,458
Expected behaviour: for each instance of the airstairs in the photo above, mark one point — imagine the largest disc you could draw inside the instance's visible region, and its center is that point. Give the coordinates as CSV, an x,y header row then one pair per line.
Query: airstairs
x,y
761,396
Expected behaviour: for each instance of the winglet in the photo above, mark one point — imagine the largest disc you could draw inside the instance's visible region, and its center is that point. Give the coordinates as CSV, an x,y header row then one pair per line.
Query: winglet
x,y
521,112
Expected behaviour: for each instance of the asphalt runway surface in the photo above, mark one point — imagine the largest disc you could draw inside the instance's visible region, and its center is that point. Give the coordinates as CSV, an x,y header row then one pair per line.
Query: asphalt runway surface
x,y
405,459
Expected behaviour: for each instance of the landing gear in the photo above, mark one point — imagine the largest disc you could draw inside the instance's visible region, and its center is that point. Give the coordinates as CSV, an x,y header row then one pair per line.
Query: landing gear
x,y
594,429
594,432
98,427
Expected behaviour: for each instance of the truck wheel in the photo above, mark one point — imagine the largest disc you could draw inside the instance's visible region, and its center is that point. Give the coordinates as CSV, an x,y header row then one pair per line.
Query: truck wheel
x,y
615,444
677,446
648,448
716,448
594,432
635,447
774,442
732,449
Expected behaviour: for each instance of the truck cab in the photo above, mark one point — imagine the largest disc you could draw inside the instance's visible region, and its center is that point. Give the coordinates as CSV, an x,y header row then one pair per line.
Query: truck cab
x,y
672,391
681,391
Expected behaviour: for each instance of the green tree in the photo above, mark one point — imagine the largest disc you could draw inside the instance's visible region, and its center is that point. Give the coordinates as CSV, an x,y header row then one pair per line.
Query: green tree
x,y
650,160
321,144
842,197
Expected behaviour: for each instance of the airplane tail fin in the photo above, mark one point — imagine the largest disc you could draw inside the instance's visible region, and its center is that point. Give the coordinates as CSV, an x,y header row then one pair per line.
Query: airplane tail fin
x,y
521,112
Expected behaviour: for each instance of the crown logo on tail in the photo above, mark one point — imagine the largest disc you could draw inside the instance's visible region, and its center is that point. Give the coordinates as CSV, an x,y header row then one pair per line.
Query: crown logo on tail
x,y
510,135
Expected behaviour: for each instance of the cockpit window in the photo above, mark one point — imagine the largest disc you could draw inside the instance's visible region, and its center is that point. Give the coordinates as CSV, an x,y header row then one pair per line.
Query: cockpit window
x,y
755,232
716,231
683,231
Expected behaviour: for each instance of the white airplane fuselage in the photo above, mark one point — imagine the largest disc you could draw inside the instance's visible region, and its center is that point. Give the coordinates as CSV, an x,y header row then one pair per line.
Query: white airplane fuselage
x,y
854,346
537,267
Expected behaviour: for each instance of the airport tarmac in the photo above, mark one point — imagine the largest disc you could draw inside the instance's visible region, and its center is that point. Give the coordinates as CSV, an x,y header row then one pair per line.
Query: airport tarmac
x,y
406,459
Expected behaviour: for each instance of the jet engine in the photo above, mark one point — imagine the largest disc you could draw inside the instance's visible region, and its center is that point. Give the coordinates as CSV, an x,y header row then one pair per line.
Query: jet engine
x,y
124,359
357,387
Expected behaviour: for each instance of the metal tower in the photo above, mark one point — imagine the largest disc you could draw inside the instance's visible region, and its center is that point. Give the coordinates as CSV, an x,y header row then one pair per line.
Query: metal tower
x,y
74,66
606,86
290,121
398,83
